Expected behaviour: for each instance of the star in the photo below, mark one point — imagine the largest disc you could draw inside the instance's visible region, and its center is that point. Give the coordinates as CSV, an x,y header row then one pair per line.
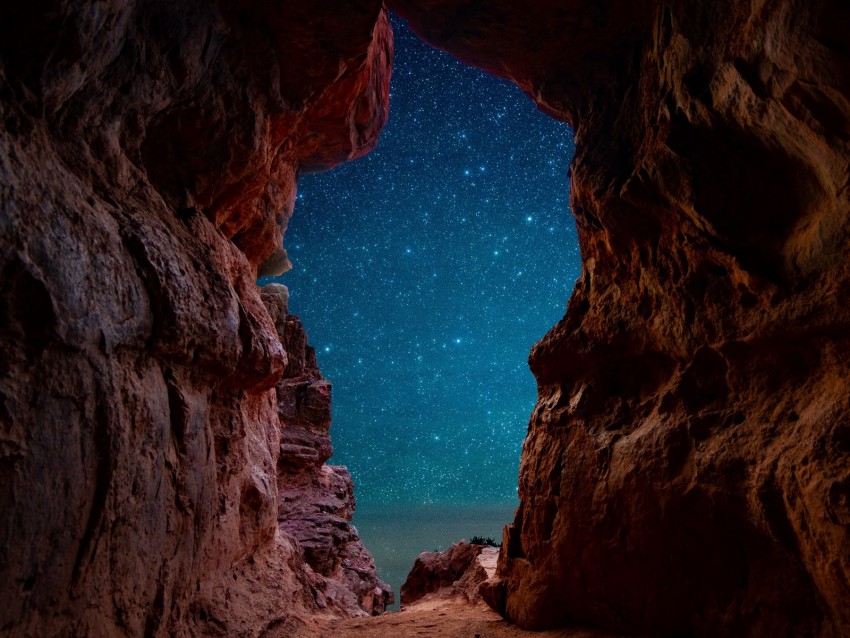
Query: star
x,y
425,271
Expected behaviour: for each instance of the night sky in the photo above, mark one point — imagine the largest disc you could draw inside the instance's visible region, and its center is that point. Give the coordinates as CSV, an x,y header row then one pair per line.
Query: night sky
x,y
425,272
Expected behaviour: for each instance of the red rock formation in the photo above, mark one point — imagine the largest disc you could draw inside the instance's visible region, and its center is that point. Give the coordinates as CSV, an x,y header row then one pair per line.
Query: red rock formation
x,y
148,158
687,467
316,501
457,572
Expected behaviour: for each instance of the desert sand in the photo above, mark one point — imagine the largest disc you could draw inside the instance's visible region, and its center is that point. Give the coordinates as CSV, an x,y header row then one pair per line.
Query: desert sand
x,y
438,618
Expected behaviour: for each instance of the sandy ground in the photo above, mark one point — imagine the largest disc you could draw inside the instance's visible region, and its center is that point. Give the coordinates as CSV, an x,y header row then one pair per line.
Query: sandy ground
x,y
439,619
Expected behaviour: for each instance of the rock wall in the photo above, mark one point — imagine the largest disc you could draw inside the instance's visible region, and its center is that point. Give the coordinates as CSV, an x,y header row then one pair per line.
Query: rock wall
x,y
687,466
316,501
148,161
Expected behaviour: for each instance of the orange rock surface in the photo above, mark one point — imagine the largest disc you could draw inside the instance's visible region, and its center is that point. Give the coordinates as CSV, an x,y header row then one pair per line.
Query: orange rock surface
x,y
687,467
148,159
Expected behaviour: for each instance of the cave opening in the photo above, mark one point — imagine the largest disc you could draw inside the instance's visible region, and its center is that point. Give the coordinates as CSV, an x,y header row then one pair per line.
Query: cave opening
x,y
162,457
424,272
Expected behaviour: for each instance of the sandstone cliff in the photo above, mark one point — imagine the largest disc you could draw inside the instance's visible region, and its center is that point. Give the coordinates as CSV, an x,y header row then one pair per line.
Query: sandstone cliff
x,y
687,467
148,162
316,501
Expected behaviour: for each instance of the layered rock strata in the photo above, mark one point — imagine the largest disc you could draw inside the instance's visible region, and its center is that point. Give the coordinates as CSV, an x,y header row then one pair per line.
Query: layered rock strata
x,y
316,501
148,160
687,466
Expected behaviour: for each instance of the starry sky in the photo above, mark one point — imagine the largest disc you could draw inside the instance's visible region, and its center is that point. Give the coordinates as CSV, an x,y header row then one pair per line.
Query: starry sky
x,y
425,272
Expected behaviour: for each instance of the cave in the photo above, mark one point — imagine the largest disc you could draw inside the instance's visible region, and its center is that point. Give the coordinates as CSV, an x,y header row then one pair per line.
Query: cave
x,y
685,471
424,272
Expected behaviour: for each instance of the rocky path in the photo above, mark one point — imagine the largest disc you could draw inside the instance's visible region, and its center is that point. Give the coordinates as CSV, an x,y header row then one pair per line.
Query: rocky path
x,y
440,599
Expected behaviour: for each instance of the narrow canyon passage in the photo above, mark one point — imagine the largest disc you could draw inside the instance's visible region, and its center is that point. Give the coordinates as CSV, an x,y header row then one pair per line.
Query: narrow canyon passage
x,y
164,424
423,273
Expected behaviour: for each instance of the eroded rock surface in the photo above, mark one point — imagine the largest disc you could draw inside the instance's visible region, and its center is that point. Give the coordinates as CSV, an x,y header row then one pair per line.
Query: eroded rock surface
x,y
687,467
458,571
148,161
316,501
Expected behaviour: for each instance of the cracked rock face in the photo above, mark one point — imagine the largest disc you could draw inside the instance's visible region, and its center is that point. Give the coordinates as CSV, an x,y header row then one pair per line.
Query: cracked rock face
x,y
148,159
687,466
316,501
